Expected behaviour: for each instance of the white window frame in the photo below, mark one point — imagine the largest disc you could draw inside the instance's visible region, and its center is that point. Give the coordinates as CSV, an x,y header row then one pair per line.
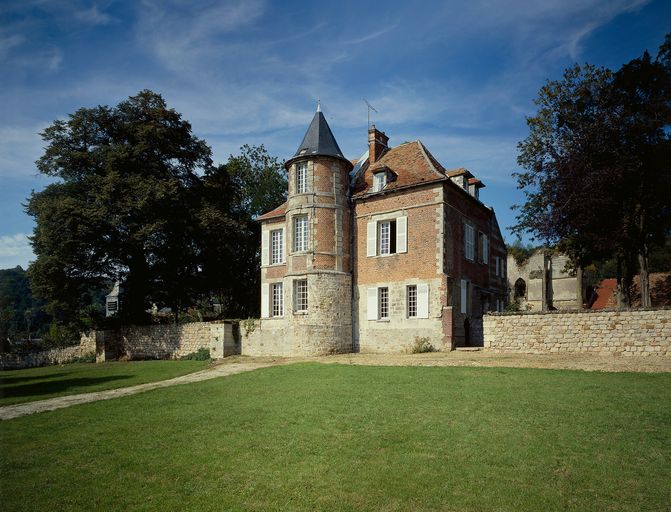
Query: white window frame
x,y
469,241
379,181
376,246
301,296
301,233
276,246
384,237
301,178
277,299
411,300
383,303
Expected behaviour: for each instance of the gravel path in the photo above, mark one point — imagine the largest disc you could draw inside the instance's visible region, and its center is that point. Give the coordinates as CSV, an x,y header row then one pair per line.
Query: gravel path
x,y
240,364
8,412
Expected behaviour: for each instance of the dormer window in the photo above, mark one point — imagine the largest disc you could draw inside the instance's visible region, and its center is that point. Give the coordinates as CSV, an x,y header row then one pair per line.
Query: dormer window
x,y
379,181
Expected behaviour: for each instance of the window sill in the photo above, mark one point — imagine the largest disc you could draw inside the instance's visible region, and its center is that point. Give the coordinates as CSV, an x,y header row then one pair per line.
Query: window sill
x,y
300,313
383,320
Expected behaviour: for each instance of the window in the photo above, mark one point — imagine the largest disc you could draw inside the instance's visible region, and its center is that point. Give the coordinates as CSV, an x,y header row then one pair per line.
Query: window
x,y
301,233
277,299
387,236
411,293
383,303
464,296
469,242
497,261
276,250
301,295
484,249
379,181
301,178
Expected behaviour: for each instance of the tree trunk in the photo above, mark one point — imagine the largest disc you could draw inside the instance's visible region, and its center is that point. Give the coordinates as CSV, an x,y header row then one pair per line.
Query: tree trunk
x,y
644,278
621,292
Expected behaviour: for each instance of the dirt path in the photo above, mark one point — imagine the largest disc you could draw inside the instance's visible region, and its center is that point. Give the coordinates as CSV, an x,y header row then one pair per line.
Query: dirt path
x,y
8,412
240,364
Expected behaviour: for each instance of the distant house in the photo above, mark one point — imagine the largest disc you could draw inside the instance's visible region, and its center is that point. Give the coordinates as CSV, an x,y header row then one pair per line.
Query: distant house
x,y
370,255
543,282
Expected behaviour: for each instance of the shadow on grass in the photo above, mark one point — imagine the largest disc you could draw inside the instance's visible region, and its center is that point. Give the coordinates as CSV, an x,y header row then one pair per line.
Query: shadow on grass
x,y
57,387
5,381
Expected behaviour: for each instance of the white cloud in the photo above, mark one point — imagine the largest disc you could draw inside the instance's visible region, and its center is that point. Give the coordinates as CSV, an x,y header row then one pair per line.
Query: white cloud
x,y
15,250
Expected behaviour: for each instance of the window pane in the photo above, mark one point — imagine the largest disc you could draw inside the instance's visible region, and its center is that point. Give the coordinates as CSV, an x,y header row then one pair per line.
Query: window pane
x,y
383,302
384,237
301,233
276,246
278,300
301,295
412,301
302,178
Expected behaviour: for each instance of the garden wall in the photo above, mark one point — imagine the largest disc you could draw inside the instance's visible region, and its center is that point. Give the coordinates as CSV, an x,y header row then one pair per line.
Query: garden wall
x,y
19,360
618,333
167,341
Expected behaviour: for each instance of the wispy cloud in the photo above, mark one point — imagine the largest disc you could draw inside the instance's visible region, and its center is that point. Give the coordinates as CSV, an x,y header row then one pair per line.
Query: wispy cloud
x,y
15,250
93,16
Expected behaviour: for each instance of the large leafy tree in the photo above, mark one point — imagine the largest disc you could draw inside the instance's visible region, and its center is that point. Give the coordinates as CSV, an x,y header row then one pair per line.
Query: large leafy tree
x,y
123,207
597,178
233,195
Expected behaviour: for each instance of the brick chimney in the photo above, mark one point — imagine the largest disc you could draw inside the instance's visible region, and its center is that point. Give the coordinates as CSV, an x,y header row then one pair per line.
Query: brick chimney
x,y
377,143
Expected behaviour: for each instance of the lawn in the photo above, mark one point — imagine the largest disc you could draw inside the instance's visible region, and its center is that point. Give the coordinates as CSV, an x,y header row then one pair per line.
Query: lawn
x,y
18,386
338,437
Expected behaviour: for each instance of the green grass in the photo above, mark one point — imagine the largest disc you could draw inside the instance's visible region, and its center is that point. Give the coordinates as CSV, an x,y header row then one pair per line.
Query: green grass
x,y
331,437
17,386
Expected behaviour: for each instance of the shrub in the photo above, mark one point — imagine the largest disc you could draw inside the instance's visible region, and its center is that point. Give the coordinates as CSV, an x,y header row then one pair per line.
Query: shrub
x,y
422,345
86,358
202,354
60,335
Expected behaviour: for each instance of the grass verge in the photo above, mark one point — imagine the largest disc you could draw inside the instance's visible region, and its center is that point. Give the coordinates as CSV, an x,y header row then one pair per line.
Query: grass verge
x,y
335,437
18,386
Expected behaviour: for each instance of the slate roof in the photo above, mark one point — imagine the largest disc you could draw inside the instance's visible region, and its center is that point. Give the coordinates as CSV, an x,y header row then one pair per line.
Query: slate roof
x,y
318,141
408,164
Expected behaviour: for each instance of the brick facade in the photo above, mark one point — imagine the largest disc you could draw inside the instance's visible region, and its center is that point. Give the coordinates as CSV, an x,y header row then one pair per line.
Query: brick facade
x,y
385,258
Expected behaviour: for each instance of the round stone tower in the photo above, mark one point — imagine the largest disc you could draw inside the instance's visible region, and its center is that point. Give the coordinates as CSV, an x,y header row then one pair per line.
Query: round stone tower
x,y
318,272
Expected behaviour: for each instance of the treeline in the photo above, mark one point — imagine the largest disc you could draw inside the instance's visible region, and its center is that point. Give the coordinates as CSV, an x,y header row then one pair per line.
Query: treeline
x,y
139,200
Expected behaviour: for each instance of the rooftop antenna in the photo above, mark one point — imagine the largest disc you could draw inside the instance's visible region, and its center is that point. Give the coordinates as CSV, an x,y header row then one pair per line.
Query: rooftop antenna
x,y
370,107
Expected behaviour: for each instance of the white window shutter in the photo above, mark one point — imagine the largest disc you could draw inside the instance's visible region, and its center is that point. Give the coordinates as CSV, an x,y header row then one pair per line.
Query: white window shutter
x,y
265,251
423,301
372,239
402,234
464,296
283,255
265,300
371,304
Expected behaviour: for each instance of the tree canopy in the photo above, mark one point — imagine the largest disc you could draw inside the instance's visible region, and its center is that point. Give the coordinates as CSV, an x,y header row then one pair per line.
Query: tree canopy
x,y
139,200
597,179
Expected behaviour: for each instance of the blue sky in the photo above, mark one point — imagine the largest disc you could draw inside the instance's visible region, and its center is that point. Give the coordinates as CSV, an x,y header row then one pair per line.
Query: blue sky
x,y
460,76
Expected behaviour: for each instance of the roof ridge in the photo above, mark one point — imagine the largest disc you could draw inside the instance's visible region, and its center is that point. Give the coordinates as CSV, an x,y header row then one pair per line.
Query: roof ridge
x,y
431,159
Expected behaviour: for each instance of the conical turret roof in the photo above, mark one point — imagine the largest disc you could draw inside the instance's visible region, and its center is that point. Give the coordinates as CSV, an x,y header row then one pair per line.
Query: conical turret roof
x,y
318,141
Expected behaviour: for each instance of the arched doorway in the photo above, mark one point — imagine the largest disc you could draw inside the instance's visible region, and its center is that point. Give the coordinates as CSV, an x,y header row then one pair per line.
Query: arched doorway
x,y
520,289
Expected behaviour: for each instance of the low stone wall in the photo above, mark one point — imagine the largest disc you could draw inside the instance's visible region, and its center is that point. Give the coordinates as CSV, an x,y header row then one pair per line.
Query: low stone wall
x,y
618,333
167,341
20,360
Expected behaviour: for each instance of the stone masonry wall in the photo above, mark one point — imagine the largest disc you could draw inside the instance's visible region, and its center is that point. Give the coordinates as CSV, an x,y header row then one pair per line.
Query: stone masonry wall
x,y
617,333
20,360
167,341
